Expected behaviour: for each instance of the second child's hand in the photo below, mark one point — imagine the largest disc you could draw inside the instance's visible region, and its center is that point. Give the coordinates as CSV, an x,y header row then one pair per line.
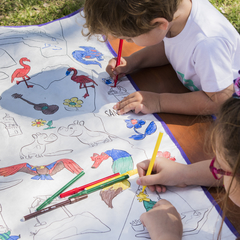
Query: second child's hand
x,y
140,101
165,173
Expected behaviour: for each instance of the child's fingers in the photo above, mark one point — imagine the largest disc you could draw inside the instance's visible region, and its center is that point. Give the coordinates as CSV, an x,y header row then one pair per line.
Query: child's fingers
x,y
142,167
160,188
149,180
126,105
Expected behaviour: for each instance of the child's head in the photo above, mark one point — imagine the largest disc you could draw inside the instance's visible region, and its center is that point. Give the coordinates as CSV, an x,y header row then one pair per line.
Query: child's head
x,y
128,18
226,145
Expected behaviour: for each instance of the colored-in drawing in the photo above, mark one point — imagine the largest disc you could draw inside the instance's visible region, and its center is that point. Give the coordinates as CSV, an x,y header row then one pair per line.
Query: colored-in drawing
x,y
22,72
38,147
41,123
43,172
83,56
122,160
147,202
11,126
98,159
83,134
108,193
8,184
165,154
5,232
137,124
108,81
44,107
38,123
73,104
82,80
49,124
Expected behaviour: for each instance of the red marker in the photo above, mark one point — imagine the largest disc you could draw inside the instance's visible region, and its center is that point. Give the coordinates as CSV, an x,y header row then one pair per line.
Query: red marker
x,y
78,189
118,59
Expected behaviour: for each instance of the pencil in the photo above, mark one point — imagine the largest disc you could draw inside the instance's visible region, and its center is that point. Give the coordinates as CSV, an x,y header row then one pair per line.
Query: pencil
x,y
78,189
150,167
129,173
101,186
50,199
118,59
53,207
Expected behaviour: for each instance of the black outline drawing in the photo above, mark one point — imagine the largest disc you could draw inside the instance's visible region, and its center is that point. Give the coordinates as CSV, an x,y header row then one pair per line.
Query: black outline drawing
x,y
11,126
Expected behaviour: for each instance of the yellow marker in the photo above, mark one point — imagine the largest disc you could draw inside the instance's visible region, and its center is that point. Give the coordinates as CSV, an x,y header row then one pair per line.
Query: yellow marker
x,y
150,167
130,173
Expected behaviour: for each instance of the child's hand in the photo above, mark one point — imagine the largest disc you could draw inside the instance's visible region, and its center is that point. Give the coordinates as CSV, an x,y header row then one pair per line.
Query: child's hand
x,y
121,70
163,221
141,101
165,172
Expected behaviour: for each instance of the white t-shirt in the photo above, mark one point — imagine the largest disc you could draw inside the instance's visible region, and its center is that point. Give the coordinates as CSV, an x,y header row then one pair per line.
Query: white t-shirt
x,y
206,53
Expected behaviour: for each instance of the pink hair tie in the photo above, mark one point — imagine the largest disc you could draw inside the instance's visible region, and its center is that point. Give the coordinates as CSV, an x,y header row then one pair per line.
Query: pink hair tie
x,y
236,84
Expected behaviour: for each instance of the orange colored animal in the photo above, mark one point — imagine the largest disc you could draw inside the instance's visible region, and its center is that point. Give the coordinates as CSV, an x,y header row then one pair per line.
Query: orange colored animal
x,y
22,72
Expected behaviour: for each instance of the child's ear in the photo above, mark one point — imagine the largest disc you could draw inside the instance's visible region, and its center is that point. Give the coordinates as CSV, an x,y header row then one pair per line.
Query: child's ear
x,y
161,23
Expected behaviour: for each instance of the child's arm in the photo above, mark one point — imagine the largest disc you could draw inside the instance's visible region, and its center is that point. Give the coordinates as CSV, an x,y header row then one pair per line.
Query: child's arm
x,y
168,173
150,56
191,103
163,222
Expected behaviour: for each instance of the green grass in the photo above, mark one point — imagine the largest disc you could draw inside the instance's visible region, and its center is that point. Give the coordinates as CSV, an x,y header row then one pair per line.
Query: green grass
x,y
230,9
35,12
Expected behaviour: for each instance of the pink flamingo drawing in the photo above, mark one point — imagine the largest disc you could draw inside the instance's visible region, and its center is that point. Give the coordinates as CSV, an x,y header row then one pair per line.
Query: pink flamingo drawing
x,y
82,79
22,72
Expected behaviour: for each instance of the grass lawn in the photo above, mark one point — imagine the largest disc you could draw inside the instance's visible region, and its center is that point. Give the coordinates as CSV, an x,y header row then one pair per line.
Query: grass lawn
x,y
34,12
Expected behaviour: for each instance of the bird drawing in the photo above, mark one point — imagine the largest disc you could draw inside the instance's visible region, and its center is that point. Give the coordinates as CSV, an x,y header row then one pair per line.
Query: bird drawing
x,y
43,172
122,162
82,80
22,72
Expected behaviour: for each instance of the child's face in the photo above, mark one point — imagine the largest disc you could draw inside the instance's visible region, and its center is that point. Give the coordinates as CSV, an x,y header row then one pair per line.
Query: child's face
x,y
234,194
151,38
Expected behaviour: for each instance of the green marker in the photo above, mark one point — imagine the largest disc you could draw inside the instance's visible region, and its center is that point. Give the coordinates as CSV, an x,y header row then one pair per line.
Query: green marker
x,y
101,186
50,199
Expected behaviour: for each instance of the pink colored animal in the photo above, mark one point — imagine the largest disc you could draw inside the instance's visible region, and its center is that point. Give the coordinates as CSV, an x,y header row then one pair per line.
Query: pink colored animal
x,y
22,72
82,79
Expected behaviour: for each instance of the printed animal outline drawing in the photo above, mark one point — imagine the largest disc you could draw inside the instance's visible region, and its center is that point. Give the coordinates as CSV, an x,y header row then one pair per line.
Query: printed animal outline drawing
x,y
38,147
43,172
22,72
83,56
83,134
82,80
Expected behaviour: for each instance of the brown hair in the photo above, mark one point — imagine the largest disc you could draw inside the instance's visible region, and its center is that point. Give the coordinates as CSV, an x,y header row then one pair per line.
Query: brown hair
x,y
225,138
128,18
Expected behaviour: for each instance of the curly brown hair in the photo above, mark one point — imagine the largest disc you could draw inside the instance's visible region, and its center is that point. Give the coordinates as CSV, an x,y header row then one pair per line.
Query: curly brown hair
x,y
128,18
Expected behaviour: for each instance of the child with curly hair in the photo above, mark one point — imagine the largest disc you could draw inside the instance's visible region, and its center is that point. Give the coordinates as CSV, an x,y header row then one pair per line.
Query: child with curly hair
x,y
195,38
